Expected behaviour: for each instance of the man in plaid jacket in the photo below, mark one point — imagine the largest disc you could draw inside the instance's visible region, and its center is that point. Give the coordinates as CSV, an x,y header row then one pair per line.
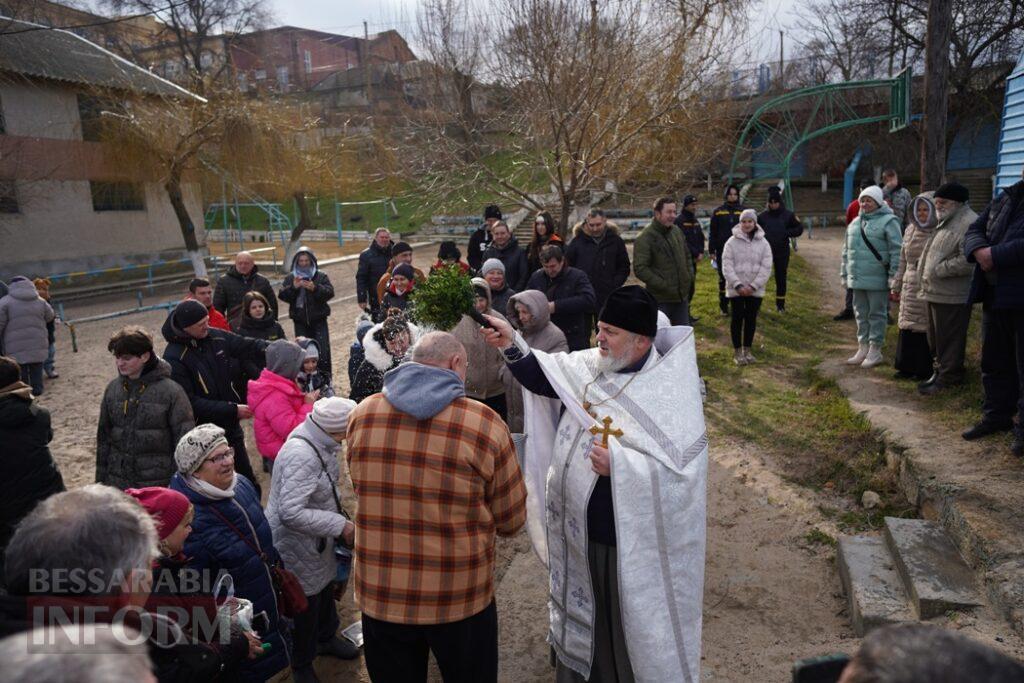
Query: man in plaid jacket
x,y
437,477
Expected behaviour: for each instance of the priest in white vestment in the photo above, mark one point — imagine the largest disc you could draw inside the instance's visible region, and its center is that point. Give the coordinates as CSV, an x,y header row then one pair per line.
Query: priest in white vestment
x,y
616,471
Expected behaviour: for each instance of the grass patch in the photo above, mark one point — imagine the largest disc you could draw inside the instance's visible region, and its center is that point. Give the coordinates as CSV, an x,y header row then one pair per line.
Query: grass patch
x,y
818,537
784,405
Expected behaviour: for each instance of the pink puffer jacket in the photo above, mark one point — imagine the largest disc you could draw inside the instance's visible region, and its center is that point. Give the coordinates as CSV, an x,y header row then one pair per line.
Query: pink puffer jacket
x,y
278,406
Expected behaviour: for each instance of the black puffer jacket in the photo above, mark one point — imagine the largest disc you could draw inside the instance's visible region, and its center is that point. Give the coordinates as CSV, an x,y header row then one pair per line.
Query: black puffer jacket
x,y
605,261
313,306
694,234
723,219
27,471
265,328
233,286
514,258
780,225
208,368
373,263
574,300
479,242
141,421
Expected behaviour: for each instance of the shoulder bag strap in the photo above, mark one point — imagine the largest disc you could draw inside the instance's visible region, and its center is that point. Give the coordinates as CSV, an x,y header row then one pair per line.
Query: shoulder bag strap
x,y
323,464
255,548
864,236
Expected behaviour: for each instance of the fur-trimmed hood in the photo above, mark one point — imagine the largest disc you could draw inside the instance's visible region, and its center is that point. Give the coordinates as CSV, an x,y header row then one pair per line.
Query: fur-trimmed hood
x,y
610,226
376,354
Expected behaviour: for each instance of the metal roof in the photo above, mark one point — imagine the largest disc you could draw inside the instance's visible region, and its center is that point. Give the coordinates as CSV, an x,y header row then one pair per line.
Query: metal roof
x,y
1010,160
37,51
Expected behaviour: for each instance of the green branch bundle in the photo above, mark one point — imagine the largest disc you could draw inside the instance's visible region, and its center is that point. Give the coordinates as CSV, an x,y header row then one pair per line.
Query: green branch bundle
x,y
442,300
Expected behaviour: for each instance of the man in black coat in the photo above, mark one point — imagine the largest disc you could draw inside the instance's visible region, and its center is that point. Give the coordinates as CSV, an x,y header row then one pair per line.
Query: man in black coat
x,y
995,242
723,219
506,249
29,473
480,240
241,278
205,362
570,296
694,234
373,263
598,250
780,225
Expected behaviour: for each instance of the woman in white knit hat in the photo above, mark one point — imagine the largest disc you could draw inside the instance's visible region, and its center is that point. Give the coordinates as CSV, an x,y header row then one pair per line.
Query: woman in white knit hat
x,y
871,259
231,534
308,524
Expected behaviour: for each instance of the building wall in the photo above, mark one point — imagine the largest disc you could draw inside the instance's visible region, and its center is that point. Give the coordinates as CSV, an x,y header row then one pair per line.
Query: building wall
x,y
56,229
270,50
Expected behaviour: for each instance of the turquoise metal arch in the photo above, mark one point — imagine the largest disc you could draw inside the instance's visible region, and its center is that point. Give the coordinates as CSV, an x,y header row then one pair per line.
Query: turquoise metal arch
x,y
791,119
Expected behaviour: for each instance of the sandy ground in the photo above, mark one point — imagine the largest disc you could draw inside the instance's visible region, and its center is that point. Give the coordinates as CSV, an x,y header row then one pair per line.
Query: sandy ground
x,y
769,598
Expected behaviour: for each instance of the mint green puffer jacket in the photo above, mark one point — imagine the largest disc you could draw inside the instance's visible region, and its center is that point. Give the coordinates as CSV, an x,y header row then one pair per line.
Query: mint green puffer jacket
x,y
861,270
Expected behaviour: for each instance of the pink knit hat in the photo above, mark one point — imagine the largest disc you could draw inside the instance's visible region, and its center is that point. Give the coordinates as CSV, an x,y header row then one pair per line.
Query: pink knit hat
x,y
166,506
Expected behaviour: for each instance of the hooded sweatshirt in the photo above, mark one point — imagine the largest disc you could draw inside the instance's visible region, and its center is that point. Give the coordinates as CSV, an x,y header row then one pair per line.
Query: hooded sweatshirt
x,y
422,391
541,334
278,404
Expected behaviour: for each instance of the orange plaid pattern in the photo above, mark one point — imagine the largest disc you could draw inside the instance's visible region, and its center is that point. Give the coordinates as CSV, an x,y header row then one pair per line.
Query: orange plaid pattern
x,y
432,495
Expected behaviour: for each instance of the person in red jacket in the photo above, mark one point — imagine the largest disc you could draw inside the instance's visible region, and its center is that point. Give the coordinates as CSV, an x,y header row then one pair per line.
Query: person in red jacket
x,y
201,290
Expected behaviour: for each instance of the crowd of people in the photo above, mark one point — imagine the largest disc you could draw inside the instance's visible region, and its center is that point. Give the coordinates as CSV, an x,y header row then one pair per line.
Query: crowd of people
x,y
435,432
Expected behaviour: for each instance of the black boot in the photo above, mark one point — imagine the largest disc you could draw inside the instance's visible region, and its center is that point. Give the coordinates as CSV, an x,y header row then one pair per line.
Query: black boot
x,y
723,303
780,304
845,314
985,428
1017,447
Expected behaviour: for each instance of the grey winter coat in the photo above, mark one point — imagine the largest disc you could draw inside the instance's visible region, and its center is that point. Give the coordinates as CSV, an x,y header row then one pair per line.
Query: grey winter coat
x,y
23,318
141,421
303,516
945,272
540,334
913,312
482,379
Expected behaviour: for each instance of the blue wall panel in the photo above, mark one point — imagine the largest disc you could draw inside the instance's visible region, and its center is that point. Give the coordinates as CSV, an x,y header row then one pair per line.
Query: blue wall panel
x,y
1010,161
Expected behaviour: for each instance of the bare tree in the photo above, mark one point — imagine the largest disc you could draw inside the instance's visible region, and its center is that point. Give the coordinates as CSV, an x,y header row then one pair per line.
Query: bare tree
x,y
564,93
839,42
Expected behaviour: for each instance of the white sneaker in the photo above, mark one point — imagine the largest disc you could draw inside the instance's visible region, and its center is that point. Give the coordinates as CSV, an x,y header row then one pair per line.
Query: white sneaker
x,y
738,357
748,356
873,358
858,358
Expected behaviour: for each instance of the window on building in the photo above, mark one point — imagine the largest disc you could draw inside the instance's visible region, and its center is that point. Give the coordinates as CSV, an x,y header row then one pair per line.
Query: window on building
x,y
117,196
282,76
206,59
261,74
8,197
307,59
243,82
90,112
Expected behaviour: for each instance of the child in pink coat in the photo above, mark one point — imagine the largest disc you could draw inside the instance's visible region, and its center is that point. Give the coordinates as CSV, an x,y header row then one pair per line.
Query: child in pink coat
x,y
278,404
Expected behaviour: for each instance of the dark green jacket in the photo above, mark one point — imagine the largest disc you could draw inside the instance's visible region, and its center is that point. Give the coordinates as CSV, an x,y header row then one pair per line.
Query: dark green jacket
x,y
663,263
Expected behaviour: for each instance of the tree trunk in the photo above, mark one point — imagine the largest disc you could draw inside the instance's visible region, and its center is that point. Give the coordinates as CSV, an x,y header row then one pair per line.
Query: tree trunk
x,y
303,224
936,93
188,228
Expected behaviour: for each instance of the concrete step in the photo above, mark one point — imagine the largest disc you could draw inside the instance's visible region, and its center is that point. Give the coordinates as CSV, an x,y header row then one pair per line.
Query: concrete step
x,y
935,575
872,584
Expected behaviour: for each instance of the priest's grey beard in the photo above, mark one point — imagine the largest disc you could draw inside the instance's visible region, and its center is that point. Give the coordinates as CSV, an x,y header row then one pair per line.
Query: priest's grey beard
x,y
612,363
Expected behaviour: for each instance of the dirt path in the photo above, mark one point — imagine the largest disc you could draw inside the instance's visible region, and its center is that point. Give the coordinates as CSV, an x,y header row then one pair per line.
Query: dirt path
x,y
770,597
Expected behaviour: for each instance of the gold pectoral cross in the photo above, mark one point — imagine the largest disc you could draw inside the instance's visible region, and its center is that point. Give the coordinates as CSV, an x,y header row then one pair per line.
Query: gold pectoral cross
x,y
605,431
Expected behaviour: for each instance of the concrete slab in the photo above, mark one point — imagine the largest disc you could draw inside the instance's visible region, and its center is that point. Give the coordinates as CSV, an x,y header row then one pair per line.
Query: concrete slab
x,y
872,584
933,572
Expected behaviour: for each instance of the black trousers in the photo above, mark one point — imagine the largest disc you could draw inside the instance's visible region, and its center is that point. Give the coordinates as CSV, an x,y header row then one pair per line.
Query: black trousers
x,y
466,651
913,354
236,439
723,302
318,624
744,320
498,405
32,375
678,313
1002,363
780,264
318,332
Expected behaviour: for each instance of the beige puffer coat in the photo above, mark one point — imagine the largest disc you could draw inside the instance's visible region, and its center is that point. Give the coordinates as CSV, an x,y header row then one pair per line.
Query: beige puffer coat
x,y
485,361
746,260
945,272
540,334
913,311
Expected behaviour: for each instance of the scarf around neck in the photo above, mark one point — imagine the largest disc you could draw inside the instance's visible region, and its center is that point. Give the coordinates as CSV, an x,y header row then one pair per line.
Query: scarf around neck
x,y
208,490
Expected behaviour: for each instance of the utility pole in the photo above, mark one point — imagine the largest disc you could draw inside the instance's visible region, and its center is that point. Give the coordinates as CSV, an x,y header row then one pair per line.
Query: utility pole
x,y
936,93
782,61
